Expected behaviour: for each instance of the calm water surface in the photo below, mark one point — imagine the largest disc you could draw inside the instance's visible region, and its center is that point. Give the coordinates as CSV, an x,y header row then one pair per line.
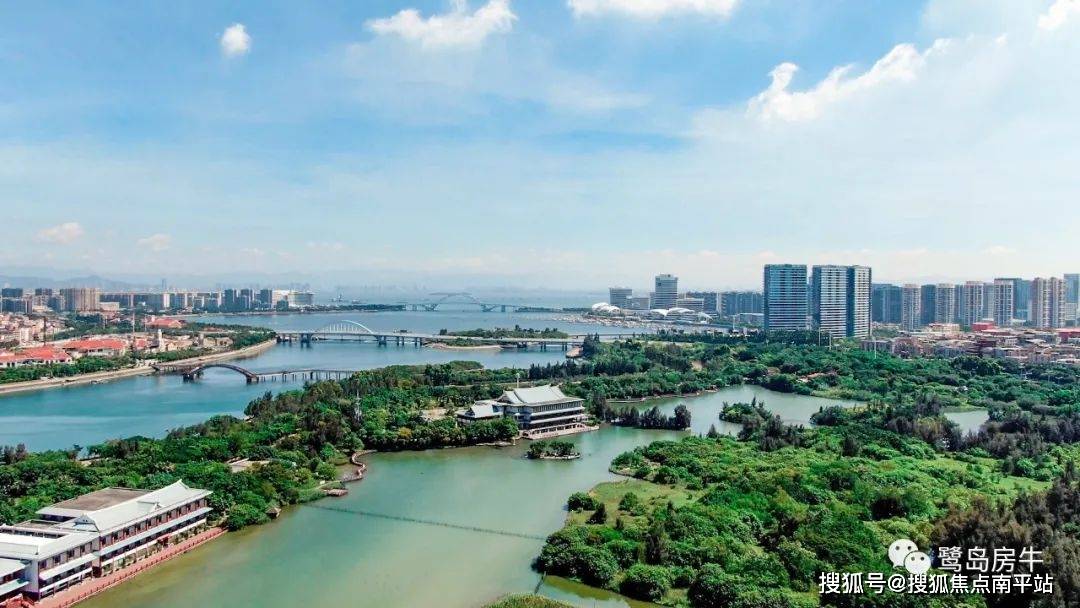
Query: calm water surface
x,y
151,405
316,557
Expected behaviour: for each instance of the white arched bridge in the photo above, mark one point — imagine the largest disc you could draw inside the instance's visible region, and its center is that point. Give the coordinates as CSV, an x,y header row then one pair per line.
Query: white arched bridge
x,y
195,371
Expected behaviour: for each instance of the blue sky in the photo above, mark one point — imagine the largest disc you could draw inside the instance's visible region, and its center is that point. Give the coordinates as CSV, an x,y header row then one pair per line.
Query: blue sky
x,y
552,143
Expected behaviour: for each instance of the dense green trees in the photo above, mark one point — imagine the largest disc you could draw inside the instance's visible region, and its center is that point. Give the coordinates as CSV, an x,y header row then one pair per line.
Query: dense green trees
x,y
772,509
84,365
503,332
651,418
552,449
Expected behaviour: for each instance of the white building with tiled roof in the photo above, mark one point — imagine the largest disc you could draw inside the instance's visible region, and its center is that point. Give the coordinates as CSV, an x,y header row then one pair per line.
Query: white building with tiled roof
x,y
94,534
537,410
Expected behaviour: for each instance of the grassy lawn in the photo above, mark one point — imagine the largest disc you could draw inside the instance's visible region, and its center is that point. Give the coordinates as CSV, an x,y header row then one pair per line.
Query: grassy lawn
x,y
651,495
527,601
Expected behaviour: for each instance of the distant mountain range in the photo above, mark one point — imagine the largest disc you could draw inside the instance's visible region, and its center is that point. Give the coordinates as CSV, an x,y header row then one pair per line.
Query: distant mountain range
x,y
31,281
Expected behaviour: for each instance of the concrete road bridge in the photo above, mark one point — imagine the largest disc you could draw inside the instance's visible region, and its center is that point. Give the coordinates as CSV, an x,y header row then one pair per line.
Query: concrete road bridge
x,y
462,298
353,331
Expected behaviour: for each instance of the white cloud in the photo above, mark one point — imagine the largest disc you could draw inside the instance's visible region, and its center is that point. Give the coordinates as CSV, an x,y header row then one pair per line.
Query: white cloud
x,y
155,242
235,41
458,28
780,102
652,9
1058,13
62,233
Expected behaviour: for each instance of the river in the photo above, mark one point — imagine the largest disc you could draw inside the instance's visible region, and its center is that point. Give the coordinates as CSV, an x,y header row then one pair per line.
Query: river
x,y
422,529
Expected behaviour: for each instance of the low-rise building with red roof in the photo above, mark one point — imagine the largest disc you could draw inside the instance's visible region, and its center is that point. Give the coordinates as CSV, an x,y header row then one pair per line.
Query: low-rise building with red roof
x,y
40,355
163,323
98,347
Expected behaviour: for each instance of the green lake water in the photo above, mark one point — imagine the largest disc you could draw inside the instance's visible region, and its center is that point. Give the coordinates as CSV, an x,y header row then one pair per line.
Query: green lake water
x,y
356,556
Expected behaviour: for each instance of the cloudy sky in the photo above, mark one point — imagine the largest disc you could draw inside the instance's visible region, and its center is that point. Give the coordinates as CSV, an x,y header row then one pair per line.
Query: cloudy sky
x,y
565,143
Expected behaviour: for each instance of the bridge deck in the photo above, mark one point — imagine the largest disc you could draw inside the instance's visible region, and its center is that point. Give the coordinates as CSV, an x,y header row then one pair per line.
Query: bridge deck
x,y
571,339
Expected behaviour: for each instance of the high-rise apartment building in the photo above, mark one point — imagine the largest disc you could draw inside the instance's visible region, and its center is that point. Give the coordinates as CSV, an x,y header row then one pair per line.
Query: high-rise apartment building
x,y
620,296
910,307
666,291
859,282
710,301
785,296
928,304
840,297
1021,297
885,303
80,299
737,302
159,302
1004,309
1047,302
1072,297
972,302
945,303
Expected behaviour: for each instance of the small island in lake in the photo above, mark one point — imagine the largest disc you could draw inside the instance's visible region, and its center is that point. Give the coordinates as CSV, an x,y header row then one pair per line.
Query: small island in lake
x,y
553,450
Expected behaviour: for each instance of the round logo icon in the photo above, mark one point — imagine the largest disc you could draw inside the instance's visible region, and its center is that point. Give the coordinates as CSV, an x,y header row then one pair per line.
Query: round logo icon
x,y
917,562
899,550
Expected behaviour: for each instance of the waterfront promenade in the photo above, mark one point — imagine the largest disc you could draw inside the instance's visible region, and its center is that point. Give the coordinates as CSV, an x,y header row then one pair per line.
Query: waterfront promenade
x,y
93,586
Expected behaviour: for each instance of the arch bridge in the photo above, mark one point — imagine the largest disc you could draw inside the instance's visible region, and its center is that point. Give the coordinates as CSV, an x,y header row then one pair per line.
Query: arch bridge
x,y
193,372
455,297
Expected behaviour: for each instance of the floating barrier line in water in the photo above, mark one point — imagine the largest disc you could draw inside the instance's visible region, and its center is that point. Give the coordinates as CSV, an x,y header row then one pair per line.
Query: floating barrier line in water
x,y
427,522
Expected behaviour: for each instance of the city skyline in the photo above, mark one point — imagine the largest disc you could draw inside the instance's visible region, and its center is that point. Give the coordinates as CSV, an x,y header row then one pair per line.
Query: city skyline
x,y
413,134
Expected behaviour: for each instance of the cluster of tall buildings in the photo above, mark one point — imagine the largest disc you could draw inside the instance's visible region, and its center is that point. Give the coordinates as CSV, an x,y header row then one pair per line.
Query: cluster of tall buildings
x,y
87,299
829,298
69,299
666,296
1050,302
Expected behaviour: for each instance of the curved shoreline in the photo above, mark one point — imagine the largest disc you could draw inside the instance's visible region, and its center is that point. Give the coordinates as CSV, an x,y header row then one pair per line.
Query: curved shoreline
x,y
128,372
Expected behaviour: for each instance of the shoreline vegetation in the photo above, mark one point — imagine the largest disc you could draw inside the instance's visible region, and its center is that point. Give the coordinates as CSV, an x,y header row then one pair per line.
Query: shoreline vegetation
x,y
748,519
528,601
553,449
466,339
464,346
